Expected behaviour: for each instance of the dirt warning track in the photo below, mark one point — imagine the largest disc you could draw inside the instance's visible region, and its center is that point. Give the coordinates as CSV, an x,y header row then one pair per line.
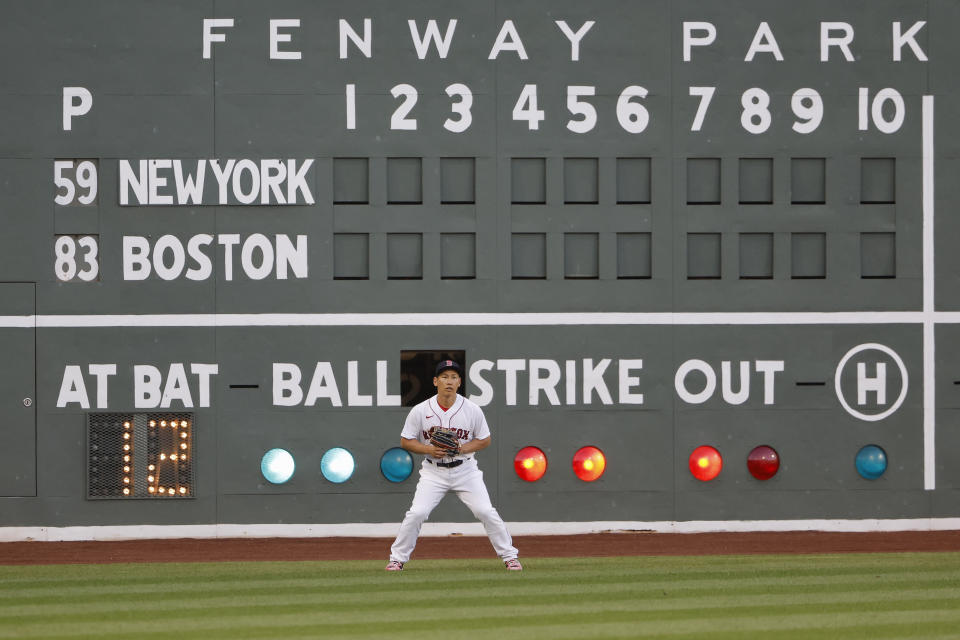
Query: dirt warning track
x,y
592,545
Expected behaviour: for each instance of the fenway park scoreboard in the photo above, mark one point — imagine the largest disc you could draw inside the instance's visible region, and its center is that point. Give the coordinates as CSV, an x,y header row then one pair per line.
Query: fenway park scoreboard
x,y
698,259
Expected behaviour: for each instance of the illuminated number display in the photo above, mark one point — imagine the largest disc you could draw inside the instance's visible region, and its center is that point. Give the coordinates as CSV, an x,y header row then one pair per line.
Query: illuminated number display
x,y
140,455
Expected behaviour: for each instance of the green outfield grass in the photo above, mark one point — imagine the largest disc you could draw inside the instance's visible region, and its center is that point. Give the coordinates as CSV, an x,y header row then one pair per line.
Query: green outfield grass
x,y
915,595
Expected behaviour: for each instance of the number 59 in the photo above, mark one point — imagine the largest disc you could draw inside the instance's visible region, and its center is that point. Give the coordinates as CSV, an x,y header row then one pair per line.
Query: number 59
x,y
73,176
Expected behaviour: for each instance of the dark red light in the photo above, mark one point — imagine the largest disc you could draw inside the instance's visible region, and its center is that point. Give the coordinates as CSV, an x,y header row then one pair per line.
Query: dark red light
x,y
589,463
705,463
530,463
763,462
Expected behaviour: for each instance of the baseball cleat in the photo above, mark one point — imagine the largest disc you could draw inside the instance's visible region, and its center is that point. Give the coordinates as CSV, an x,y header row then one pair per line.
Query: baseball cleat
x,y
393,565
513,565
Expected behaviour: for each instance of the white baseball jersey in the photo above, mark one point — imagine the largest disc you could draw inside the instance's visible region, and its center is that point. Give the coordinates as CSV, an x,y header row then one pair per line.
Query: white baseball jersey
x,y
464,417
461,475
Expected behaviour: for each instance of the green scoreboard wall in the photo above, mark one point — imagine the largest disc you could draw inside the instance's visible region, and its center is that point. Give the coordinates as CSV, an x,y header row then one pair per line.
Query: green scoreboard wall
x,y
236,226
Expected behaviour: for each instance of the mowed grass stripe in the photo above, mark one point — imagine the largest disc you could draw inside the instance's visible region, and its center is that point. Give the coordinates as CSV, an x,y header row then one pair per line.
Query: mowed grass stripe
x,y
736,619
386,587
551,598
129,575
848,631
374,580
650,595
270,605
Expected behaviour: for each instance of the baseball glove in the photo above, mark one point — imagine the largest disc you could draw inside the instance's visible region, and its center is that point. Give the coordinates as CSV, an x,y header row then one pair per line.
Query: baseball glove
x,y
447,440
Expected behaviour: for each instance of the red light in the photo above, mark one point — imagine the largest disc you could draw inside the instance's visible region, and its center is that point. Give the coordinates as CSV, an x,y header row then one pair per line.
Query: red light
x,y
530,463
763,462
589,463
705,463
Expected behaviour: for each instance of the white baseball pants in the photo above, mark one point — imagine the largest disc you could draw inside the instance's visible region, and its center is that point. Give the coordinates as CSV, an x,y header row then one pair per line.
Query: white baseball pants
x,y
467,481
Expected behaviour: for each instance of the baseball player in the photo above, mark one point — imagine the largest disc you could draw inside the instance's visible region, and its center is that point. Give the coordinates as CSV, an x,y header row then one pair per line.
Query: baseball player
x,y
449,469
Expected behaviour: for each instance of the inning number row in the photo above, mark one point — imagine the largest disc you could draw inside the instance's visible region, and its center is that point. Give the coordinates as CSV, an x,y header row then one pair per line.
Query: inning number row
x,y
885,109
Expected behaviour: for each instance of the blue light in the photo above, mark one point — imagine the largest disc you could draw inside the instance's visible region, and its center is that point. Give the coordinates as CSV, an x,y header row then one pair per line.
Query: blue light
x,y
277,466
396,465
337,465
871,462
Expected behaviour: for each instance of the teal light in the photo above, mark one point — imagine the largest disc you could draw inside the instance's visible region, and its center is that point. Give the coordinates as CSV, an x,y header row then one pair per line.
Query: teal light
x,y
277,466
871,462
337,465
396,464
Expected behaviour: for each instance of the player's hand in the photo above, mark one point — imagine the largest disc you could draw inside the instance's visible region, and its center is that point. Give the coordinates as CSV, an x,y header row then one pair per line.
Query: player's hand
x,y
437,452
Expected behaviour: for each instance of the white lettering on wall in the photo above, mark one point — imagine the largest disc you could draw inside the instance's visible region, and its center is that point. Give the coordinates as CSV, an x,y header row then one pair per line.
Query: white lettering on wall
x,y
626,395
575,36
768,368
77,101
593,381
209,36
511,366
165,182
876,383
72,388
697,34
354,397
508,40
680,381
481,384
288,385
764,42
153,389
260,257
385,399
900,39
432,34
686,388
276,38
363,43
694,33
544,377
102,373
842,41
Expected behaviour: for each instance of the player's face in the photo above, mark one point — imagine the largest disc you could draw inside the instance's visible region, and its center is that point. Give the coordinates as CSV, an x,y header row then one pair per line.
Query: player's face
x,y
448,381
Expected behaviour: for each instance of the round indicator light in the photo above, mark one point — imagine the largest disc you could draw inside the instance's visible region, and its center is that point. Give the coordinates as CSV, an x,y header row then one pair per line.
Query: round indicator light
x,y
277,466
530,463
337,465
763,462
396,464
871,462
705,463
589,463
